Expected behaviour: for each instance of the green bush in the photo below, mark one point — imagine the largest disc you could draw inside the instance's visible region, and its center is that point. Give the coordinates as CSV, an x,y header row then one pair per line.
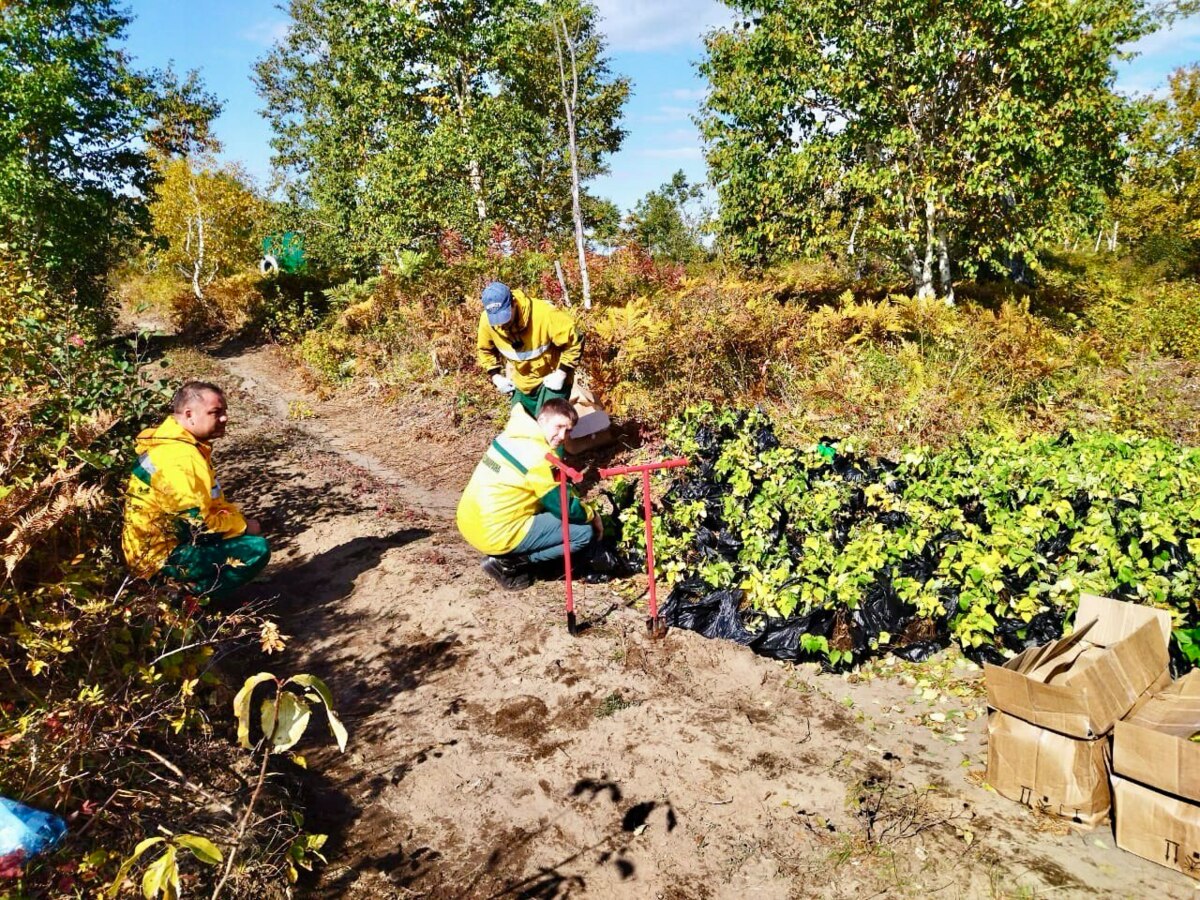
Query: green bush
x,y
974,541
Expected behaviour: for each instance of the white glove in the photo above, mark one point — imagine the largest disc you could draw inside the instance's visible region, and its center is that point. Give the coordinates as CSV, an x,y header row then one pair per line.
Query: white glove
x,y
503,384
555,380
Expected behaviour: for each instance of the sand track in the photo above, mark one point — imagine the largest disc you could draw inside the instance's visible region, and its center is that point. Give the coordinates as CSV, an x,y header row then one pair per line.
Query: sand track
x,y
493,755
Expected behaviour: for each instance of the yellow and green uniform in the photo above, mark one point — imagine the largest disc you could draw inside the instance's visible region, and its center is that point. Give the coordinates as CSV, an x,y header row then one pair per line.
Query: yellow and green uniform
x,y
177,520
542,338
512,484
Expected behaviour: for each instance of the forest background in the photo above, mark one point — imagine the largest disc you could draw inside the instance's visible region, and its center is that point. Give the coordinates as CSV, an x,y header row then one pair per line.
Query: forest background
x,y
921,219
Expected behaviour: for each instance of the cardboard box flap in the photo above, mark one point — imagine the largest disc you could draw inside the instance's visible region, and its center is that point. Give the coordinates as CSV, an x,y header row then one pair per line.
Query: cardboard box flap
x,y
1154,746
1037,660
1082,684
1117,619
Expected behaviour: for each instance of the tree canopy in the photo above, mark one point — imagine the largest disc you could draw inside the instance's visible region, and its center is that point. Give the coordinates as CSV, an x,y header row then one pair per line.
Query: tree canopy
x,y
205,218
75,119
924,128
1158,209
666,223
397,122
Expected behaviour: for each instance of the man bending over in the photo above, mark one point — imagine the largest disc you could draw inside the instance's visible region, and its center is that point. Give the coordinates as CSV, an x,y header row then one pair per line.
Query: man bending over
x,y
178,524
510,510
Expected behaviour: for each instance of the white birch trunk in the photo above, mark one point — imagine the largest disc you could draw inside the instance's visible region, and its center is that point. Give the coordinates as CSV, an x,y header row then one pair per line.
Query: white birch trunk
x,y
474,172
925,289
198,260
562,283
1112,241
570,98
944,270
850,248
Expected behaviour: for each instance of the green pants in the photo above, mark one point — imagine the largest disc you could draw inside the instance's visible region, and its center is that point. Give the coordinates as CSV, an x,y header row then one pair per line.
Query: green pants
x,y
534,402
216,567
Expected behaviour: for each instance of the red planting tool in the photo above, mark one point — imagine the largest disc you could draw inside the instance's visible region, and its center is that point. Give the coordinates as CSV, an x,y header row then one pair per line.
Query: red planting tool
x,y
654,624
565,472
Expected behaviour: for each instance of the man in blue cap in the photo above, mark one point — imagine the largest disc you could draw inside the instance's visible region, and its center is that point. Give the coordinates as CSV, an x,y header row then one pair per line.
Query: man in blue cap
x,y
541,341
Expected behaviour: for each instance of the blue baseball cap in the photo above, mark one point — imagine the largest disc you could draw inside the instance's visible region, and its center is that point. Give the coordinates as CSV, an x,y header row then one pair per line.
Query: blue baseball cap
x,y
498,303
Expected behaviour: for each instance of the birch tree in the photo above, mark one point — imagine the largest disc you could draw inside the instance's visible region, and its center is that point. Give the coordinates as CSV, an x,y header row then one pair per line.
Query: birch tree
x,y
564,45
206,220
1158,210
944,134
397,122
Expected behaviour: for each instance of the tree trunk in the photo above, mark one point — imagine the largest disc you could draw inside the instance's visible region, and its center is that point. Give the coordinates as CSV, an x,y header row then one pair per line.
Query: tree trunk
x,y
198,261
477,190
925,290
1099,237
850,248
562,283
1112,242
569,99
475,173
944,270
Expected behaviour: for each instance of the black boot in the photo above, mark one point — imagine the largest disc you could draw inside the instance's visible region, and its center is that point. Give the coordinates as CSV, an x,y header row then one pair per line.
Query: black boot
x,y
511,573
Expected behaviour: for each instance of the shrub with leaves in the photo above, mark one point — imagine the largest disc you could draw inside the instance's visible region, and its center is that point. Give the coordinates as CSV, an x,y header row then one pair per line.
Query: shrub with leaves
x,y
988,543
113,688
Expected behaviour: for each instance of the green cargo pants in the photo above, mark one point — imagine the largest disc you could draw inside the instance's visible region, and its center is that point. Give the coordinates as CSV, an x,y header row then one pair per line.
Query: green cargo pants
x,y
534,402
216,568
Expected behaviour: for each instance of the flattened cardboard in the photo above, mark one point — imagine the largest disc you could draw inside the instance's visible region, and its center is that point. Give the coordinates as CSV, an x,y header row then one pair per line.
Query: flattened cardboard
x,y
1047,771
1081,685
594,428
1157,826
1152,745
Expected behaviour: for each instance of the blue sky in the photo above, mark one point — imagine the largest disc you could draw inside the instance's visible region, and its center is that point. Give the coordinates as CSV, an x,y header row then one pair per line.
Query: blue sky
x,y
653,42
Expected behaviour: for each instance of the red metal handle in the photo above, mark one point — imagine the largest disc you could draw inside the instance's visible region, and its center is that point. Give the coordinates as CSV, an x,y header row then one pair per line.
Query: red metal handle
x,y
675,463
557,463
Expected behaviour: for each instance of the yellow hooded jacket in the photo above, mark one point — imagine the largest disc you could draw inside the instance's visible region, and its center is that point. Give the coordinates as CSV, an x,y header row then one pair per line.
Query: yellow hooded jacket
x,y
172,491
546,339
513,483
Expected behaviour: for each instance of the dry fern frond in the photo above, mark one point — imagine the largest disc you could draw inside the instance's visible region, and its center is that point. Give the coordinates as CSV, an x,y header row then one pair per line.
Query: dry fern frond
x,y
19,499
34,526
86,431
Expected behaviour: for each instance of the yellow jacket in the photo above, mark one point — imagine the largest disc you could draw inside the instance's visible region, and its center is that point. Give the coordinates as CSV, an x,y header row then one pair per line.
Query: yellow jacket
x,y
546,339
512,483
172,492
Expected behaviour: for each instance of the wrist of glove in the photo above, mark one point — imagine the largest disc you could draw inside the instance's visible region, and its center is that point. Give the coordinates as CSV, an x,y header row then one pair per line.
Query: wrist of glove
x,y
555,380
503,384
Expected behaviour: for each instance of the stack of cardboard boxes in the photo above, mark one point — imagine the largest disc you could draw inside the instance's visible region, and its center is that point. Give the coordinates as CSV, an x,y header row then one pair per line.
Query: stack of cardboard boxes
x,y
1053,708
1156,784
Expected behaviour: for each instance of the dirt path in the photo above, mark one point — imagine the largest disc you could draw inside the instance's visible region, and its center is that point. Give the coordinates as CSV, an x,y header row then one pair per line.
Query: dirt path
x,y
493,755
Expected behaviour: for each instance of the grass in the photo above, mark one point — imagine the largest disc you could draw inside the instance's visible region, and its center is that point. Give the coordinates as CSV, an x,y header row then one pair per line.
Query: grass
x,y
613,704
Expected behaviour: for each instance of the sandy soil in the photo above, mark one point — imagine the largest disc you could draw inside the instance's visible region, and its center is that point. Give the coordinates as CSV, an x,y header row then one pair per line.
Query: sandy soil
x,y
494,755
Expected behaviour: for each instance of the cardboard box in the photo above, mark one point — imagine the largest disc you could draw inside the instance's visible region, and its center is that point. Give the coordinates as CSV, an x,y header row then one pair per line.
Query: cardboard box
x,y
1081,685
594,428
1152,746
1047,771
1157,826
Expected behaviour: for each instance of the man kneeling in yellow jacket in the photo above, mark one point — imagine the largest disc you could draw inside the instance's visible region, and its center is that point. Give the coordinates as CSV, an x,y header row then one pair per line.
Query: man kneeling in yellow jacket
x,y
178,523
511,510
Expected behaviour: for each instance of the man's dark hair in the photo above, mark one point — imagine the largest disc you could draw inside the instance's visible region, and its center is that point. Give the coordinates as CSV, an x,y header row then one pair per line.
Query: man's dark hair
x,y
557,406
190,392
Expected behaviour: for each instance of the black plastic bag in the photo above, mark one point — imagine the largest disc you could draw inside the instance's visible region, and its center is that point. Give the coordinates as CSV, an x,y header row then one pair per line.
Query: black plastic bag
x,y
919,651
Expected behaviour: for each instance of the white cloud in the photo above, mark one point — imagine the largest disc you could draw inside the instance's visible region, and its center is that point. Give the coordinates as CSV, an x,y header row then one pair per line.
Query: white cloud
x,y
1183,37
693,94
672,153
669,114
659,24
266,32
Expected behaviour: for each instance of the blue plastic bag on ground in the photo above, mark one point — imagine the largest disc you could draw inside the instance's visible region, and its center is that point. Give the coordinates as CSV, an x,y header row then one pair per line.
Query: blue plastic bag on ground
x,y
27,830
